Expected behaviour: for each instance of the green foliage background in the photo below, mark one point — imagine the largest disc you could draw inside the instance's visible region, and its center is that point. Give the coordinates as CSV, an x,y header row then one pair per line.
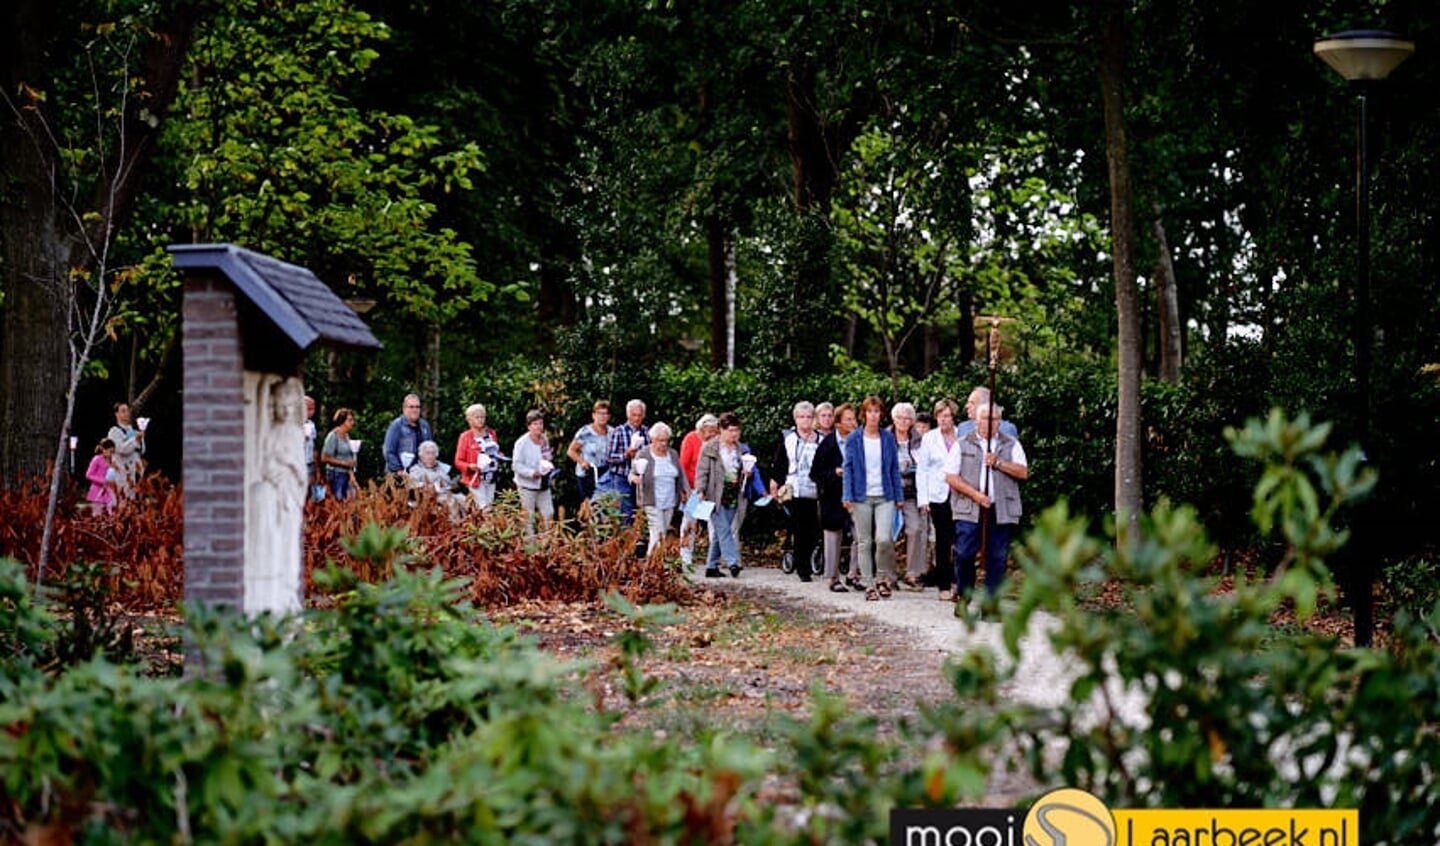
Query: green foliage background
x,y
397,715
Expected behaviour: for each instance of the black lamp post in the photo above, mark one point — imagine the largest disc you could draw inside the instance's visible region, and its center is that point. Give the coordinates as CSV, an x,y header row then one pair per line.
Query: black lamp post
x,y
1363,57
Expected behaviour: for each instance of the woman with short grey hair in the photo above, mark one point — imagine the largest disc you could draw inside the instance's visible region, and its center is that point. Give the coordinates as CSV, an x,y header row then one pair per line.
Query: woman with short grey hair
x,y
917,526
428,470
705,428
794,456
660,484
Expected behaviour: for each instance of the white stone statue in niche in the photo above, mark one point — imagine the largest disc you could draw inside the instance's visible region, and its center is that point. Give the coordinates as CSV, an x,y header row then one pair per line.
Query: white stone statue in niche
x,y
274,493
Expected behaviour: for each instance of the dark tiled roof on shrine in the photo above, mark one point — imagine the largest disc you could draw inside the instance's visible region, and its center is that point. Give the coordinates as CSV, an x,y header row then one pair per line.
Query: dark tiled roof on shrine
x,y
294,299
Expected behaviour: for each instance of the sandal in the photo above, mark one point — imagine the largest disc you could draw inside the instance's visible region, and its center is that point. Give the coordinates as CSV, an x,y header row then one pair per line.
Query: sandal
x,y
837,587
912,583
883,589
855,583
872,595
947,596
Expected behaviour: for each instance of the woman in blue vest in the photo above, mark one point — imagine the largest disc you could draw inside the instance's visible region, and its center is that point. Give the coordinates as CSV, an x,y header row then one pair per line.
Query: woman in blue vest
x,y
873,494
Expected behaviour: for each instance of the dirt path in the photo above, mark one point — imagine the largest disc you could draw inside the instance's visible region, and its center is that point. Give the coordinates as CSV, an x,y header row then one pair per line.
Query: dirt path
x,y
925,624
896,651
750,649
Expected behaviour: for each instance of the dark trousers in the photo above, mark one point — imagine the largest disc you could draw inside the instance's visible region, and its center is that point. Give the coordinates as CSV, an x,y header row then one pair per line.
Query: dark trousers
x,y
585,483
967,546
944,572
805,522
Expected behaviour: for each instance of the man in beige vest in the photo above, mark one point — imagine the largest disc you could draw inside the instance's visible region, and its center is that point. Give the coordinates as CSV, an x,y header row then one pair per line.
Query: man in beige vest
x,y
987,488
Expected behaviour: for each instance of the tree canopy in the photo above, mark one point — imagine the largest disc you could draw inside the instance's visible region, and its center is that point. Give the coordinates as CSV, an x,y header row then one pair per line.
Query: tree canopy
x,y
581,186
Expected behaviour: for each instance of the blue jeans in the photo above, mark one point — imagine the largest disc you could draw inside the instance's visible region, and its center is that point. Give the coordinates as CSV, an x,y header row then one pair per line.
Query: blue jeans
x,y
621,487
340,484
722,538
967,546
609,487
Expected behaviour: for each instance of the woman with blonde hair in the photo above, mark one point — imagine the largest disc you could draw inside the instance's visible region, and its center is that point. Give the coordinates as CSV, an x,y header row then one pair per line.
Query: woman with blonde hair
x,y
705,428
477,456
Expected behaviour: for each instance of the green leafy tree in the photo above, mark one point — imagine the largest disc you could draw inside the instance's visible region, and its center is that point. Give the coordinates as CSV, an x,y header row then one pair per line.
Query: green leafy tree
x,y
86,89
275,154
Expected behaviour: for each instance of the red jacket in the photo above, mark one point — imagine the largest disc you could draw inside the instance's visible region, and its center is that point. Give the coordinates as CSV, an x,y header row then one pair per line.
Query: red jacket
x,y
690,455
467,457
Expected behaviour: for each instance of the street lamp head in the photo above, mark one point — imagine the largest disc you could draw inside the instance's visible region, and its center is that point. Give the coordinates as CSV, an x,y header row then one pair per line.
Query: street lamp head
x,y
1364,54
360,305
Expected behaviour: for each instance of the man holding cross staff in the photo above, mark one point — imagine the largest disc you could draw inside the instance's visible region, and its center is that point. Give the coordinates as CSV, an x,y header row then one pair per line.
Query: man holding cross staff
x,y
985,494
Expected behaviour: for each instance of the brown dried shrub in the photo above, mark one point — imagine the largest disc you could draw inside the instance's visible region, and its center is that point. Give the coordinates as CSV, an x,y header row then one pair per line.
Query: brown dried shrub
x,y
570,561
144,536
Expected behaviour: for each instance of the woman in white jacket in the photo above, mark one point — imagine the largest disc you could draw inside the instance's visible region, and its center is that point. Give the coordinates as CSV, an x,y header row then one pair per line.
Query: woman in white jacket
x,y
533,463
940,456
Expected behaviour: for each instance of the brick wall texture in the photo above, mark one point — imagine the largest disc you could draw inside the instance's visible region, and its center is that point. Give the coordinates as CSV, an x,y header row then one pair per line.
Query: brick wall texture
x,y
214,445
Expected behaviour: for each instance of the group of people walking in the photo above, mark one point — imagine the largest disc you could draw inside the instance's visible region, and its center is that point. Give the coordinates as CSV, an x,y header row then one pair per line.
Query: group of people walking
x,y
948,487
921,477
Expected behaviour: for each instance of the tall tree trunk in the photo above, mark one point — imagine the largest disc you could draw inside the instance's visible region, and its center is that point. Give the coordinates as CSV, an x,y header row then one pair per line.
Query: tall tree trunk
x,y
813,166
555,301
719,288
1168,307
427,381
732,290
44,249
1129,493
965,346
34,353
34,361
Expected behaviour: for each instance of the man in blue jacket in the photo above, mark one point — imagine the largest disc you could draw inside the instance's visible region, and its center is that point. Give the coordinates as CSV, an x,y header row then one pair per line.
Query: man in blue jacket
x,y
405,435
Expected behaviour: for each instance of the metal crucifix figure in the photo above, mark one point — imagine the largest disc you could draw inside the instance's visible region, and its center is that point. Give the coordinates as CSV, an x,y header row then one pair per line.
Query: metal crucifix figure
x,y
992,349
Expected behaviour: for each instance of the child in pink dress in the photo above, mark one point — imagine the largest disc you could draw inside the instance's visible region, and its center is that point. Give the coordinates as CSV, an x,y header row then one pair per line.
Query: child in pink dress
x,y
102,475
